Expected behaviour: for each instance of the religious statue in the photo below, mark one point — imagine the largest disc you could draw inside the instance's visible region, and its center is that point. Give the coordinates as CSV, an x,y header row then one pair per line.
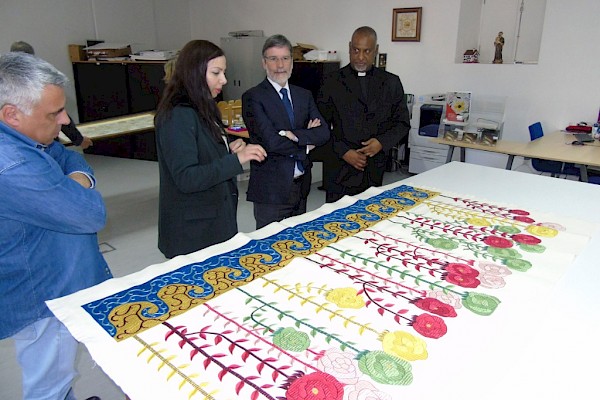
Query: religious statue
x,y
498,44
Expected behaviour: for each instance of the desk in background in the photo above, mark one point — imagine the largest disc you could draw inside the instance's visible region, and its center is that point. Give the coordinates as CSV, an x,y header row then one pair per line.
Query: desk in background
x,y
555,146
130,136
342,299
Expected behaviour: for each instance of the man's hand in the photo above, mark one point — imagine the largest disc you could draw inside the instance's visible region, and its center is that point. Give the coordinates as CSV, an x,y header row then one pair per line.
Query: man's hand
x,y
314,123
372,147
82,179
86,142
356,159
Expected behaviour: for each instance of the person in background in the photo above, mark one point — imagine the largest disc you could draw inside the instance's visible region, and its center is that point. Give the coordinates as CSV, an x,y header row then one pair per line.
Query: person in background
x,y
70,129
46,250
198,193
284,119
169,68
367,110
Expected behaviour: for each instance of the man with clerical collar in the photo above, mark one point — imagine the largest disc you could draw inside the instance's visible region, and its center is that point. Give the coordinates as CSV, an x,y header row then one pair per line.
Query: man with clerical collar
x,y
366,109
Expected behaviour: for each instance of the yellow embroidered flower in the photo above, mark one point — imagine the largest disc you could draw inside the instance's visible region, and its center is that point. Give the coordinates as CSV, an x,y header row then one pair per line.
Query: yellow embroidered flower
x,y
477,221
345,298
404,345
539,230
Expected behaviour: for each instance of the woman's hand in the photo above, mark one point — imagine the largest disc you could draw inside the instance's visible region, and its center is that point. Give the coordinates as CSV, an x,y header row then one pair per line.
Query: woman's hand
x,y
237,145
251,152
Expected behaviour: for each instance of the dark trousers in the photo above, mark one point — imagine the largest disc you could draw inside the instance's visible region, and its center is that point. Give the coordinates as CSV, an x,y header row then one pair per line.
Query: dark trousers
x,y
264,214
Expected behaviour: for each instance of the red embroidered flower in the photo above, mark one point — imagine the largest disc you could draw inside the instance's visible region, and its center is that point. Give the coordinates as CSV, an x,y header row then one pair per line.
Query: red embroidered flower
x,y
526,239
518,212
435,306
499,242
463,280
527,220
462,269
315,386
430,326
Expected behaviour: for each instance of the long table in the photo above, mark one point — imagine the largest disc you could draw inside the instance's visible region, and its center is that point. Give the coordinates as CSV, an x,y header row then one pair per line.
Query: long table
x,y
464,282
555,146
126,125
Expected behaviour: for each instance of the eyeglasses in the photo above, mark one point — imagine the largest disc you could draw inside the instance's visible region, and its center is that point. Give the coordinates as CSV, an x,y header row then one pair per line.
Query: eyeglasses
x,y
274,59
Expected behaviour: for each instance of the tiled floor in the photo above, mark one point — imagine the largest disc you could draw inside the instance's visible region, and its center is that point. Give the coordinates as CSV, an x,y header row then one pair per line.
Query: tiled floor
x,y
130,190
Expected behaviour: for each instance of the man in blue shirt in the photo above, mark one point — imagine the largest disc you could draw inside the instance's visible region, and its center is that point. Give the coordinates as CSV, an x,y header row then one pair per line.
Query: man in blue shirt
x,y
46,250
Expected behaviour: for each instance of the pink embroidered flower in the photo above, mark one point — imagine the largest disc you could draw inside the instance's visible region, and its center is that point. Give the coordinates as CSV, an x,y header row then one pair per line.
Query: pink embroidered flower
x,y
436,307
462,280
461,269
492,281
518,212
429,326
527,220
526,239
499,242
339,364
446,297
364,390
552,225
490,268
315,386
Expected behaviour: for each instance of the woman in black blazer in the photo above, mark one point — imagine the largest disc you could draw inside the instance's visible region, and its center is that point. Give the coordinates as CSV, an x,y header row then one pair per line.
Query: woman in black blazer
x,y
198,192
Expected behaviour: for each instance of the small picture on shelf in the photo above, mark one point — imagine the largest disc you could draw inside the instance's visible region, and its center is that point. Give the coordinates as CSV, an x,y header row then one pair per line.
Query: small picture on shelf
x,y
458,105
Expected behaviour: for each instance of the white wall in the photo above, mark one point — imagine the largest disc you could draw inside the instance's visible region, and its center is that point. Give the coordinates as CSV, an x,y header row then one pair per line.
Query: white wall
x,y
561,88
50,25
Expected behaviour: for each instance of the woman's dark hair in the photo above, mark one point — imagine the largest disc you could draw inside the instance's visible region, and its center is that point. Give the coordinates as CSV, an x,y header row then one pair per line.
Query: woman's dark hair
x,y
188,85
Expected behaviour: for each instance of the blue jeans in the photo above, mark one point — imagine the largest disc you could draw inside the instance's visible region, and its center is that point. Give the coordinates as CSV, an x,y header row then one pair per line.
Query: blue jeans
x,y
46,352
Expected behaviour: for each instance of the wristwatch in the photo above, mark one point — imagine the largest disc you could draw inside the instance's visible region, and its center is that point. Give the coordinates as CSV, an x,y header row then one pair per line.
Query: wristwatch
x,y
281,133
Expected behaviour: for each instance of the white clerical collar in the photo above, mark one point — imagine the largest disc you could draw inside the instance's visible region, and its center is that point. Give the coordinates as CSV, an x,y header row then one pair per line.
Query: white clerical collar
x,y
362,73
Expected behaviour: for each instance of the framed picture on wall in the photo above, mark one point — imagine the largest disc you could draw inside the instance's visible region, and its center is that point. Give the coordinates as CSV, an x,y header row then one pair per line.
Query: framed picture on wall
x,y
406,24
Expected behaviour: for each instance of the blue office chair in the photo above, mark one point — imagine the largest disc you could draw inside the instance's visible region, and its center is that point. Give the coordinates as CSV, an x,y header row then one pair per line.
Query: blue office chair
x,y
554,168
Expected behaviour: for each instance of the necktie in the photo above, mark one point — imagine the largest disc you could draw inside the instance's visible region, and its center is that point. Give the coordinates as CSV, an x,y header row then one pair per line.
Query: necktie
x,y
286,103
290,112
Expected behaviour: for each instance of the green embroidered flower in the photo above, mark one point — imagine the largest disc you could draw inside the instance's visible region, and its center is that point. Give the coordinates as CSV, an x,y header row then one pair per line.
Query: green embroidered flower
x,y
442,243
481,304
507,229
517,264
384,368
533,248
290,339
500,252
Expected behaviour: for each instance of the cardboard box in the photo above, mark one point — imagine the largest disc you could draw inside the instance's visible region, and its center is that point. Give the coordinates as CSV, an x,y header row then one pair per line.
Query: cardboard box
x,y
104,53
77,53
300,49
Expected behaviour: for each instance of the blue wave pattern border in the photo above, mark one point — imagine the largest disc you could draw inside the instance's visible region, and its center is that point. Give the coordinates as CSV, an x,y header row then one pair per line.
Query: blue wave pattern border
x,y
193,274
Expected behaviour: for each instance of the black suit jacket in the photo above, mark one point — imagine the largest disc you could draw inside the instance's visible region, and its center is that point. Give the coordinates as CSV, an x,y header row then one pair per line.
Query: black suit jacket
x,y
383,115
264,115
198,188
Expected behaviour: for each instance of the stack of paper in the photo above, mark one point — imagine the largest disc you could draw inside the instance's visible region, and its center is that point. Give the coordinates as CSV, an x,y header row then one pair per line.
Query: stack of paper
x,y
154,55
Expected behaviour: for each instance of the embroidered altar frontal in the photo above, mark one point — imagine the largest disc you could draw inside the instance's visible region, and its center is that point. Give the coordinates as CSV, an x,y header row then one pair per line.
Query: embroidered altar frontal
x,y
375,297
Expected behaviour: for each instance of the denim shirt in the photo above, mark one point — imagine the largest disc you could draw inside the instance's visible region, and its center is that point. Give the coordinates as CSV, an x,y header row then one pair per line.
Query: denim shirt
x,y
47,250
